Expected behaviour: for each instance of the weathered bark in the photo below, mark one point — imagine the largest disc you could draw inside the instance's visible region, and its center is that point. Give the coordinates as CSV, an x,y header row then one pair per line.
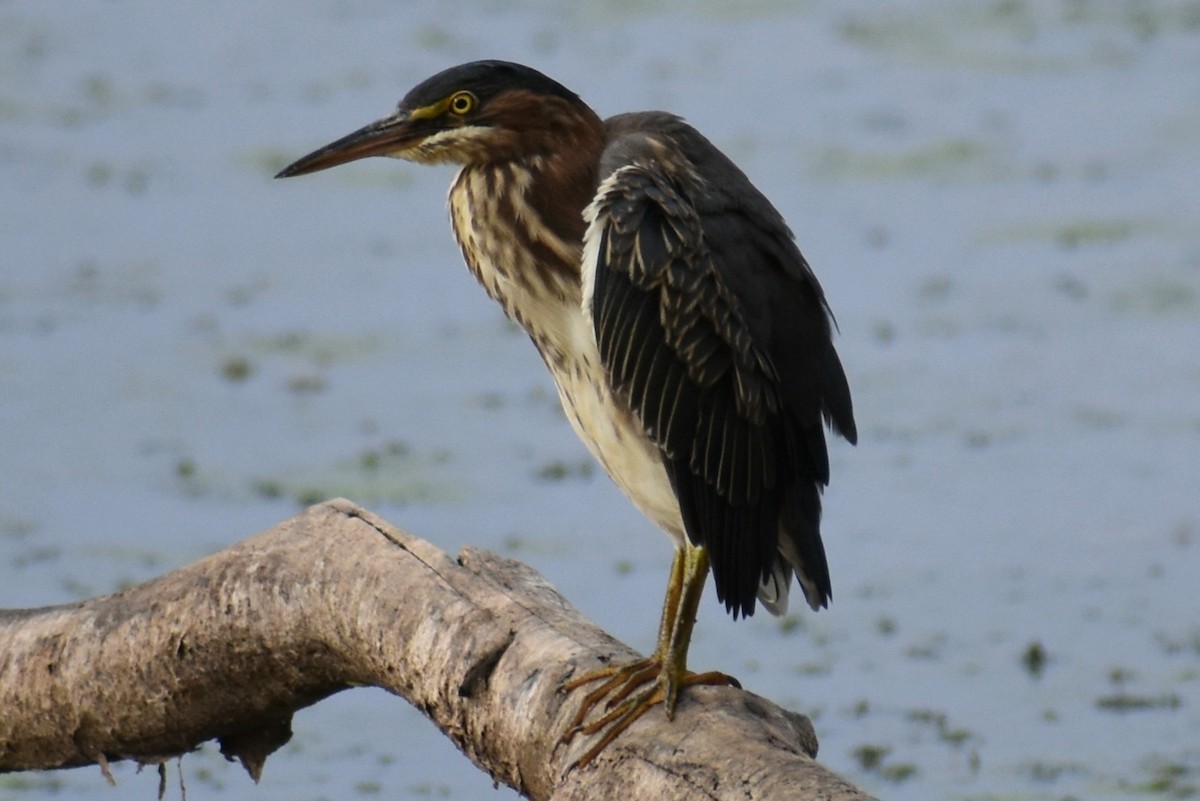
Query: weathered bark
x,y
228,648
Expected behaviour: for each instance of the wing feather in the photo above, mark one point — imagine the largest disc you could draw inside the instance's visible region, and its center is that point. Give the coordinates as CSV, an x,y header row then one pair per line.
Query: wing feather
x,y
714,331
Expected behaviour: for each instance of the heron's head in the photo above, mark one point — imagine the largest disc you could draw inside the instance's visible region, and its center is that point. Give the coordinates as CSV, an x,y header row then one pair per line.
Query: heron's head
x,y
481,112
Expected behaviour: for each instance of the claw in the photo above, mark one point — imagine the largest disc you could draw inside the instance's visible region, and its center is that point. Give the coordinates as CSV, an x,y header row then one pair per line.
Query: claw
x,y
624,692
620,709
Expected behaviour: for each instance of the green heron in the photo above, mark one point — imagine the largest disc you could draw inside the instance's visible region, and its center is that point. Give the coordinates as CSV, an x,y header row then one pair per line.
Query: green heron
x,y
690,342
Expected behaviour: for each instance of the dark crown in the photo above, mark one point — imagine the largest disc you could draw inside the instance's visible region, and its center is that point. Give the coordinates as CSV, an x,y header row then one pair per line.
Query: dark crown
x,y
485,79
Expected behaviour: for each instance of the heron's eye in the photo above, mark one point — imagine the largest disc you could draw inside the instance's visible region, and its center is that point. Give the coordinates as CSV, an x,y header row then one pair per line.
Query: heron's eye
x,y
462,103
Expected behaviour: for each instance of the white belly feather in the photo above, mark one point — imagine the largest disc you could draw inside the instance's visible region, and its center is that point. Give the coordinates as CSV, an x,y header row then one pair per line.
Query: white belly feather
x,y
555,312
611,432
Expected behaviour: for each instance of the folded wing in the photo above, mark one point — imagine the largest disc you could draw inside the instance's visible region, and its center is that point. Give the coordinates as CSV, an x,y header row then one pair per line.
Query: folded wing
x,y
713,329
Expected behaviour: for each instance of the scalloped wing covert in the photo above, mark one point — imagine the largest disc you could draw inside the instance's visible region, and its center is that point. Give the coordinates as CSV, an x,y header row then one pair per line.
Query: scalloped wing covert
x,y
712,328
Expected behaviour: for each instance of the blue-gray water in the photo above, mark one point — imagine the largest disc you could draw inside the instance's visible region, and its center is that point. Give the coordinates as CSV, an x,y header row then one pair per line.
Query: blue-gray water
x,y
1000,199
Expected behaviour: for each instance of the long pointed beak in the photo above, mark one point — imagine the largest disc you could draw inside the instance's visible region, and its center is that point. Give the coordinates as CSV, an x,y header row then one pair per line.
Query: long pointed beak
x,y
388,136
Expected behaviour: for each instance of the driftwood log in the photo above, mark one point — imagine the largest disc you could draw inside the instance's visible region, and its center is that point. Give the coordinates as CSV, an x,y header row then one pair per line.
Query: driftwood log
x,y
229,647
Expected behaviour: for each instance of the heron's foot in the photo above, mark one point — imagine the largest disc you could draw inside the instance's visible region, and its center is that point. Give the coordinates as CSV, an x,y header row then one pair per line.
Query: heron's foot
x,y
627,693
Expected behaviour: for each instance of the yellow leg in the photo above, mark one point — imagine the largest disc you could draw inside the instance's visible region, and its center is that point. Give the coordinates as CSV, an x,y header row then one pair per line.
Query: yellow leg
x,y
666,671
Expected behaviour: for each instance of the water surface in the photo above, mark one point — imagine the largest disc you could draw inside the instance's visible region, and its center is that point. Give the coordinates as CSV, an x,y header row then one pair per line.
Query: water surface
x,y
1000,200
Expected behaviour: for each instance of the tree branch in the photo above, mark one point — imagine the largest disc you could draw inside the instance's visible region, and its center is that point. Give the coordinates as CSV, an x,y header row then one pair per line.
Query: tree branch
x,y
229,647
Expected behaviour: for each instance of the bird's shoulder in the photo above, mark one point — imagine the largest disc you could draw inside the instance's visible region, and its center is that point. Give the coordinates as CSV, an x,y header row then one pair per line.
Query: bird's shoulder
x,y
663,185
726,204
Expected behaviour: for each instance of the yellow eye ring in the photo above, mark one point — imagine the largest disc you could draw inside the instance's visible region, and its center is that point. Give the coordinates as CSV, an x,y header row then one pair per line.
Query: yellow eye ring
x,y
461,103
